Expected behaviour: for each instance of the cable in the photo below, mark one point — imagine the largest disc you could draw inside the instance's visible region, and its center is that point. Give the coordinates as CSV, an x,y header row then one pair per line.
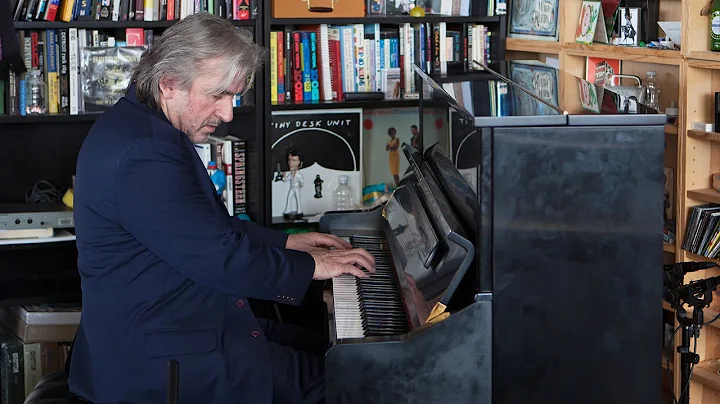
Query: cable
x,y
713,320
669,370
44,192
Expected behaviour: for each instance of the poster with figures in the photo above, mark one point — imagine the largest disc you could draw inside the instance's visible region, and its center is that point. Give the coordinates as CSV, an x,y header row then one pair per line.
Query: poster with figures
x,y
534,19
386,129
309,151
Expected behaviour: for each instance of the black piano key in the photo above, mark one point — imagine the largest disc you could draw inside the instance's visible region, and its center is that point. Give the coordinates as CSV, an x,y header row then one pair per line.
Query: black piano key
x,y
384,308
380,298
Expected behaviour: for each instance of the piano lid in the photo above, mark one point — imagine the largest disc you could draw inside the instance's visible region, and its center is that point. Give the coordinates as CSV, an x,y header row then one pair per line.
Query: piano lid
x,y
527,93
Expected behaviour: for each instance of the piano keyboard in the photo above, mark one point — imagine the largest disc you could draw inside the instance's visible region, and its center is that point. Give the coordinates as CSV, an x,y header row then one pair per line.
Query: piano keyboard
x,y
372,306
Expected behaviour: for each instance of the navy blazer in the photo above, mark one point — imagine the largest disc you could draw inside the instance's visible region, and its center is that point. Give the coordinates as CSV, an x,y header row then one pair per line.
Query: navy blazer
x,y
166,272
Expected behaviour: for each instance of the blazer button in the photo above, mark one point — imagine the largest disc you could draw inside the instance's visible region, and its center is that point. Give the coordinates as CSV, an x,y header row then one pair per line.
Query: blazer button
x,y
240,304
255,334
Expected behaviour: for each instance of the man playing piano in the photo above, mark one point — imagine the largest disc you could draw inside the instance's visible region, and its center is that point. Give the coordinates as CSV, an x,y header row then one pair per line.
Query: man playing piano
x,y
166,273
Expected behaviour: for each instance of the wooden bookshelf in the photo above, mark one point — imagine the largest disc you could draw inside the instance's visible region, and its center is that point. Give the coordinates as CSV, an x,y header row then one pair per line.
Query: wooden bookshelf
x,y
689,77
625,53
708,195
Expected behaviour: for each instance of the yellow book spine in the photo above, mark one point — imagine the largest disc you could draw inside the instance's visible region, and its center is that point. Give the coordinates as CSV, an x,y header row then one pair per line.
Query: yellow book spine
x,y
66,10
53,92
273,67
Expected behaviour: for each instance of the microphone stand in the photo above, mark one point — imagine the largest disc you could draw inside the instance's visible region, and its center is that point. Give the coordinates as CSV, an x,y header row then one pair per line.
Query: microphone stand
x,y
698,295
172,382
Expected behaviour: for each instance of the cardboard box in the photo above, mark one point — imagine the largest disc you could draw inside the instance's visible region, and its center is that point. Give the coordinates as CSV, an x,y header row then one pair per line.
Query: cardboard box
x,y
300,9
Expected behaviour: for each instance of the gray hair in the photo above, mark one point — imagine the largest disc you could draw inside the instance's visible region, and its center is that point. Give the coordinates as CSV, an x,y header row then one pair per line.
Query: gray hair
x,y
180,51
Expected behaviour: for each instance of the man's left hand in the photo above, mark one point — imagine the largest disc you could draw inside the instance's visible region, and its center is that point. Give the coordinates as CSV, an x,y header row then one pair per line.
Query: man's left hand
x,y
315,242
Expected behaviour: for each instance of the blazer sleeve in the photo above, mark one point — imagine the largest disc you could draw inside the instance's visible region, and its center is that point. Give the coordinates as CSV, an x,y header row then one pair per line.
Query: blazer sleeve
x,y
160,202
269,236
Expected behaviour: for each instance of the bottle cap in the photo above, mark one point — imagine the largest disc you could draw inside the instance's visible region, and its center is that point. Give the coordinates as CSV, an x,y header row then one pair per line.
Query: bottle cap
x,y
212,165
343,179
34,72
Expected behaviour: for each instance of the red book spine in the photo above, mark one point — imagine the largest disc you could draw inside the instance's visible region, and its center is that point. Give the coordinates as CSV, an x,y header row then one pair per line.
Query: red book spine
x,y
281,66
335,70
297,68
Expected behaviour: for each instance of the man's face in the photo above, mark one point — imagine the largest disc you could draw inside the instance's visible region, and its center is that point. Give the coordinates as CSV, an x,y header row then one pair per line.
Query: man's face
x,y
414,131
198,111
293,162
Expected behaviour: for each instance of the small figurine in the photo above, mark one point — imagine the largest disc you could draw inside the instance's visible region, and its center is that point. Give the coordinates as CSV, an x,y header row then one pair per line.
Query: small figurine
x,y
217,176
278,174
318,186
393,154
295,163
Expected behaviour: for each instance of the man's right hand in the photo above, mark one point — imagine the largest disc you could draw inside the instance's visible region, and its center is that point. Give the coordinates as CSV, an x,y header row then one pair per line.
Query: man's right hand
x,y
333,263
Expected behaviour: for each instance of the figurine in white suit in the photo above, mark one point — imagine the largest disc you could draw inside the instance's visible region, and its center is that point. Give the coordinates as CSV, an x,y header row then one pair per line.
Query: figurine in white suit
x,y
292,205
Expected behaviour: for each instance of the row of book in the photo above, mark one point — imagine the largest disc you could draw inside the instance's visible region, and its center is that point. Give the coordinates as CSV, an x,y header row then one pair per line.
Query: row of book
x,y
83,70
229,154
323,62
702,233
129,10
442,7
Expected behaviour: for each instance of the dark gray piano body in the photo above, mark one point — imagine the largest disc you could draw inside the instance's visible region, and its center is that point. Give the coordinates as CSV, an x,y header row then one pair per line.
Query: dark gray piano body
x,y
564,294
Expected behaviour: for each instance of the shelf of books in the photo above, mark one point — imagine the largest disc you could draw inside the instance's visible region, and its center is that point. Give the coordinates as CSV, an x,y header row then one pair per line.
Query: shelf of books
x,y
109,24
94,48
315,65
353,79
388,19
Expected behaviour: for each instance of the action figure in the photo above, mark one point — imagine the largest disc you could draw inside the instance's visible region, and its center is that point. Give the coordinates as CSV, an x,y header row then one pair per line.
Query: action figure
x,y
393,155
415,140
318,186
295,163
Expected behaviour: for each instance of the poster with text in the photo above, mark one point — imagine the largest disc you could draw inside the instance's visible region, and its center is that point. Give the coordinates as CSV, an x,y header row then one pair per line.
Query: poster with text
x,y
309,151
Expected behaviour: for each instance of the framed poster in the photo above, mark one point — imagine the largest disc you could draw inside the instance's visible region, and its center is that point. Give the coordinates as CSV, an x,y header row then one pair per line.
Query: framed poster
x,y
309,151
534,19
541,80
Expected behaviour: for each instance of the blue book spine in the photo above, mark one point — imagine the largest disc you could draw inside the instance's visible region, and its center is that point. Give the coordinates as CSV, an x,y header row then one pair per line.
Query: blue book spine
x,y
22,98
305,49
314,74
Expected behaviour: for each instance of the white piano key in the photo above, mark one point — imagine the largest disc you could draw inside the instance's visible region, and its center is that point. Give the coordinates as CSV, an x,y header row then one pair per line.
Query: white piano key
x,y
348,320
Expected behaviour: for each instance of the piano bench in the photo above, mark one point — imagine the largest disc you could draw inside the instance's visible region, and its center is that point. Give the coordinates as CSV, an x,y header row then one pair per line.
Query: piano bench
x,y
53,389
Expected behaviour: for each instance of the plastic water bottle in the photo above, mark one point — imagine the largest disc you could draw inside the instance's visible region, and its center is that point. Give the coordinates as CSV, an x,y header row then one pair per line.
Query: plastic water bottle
x,y
652,91
35,94
343,195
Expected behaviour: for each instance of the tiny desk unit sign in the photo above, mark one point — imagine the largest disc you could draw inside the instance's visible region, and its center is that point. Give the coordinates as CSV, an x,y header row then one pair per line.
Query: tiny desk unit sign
x,y
310,151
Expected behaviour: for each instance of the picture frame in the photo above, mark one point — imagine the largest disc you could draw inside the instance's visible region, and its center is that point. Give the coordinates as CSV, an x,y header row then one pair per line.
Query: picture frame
x,y
534,19
629,26
648,18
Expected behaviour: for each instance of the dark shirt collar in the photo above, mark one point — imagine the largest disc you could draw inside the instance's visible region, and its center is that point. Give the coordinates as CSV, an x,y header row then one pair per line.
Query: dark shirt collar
x,y
131,95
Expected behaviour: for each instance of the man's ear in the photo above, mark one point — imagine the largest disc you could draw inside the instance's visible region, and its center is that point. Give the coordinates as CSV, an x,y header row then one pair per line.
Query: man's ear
x,y
167,88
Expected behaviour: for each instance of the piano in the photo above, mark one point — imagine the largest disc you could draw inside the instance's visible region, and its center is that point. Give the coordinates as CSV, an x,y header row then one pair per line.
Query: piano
x,y
518,260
